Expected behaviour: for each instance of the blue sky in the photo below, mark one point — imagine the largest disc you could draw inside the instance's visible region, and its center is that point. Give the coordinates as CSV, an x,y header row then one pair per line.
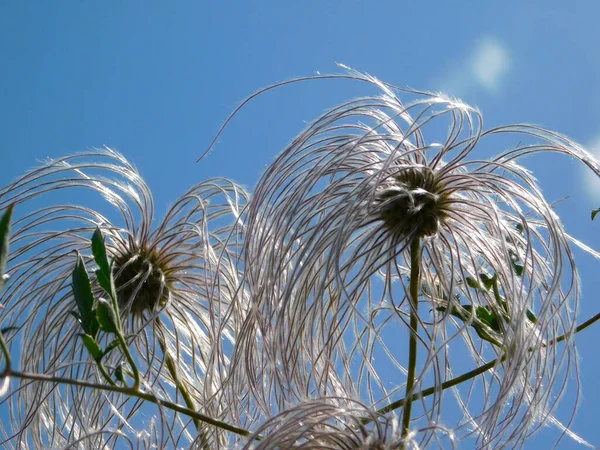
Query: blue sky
x,y
157,79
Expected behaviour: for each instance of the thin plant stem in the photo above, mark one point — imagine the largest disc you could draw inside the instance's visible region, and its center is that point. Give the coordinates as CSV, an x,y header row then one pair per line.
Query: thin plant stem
x,y
185,393
415,265
121,338
105,373
134,393
431,390
468,375
579,328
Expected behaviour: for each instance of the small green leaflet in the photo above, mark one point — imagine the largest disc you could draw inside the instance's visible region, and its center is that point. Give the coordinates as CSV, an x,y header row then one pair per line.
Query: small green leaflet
x,y
99,251
517,266
107,318
8,330
84,298
487,282
4,242
103,273
92,346
472,283
482,313
113,344
594,212
484,321
119,374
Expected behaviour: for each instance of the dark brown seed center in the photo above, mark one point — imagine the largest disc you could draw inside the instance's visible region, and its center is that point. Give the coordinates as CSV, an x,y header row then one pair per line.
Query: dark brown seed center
x,y
142,282
415,203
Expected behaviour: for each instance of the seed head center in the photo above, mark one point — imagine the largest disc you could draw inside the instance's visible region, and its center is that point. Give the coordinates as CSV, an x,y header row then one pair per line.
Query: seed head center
x,y
416,202
142,281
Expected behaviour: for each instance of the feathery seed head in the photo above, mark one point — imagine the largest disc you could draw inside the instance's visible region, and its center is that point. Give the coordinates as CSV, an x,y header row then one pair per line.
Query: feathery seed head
x,y
143,282
333,423
330,288
415,203
177,289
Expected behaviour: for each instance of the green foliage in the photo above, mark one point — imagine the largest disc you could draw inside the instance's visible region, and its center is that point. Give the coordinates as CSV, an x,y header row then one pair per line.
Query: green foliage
x,y
106,316
92,346
531,316
486,282
518,268
5,330
119,375
103,273
472,283
84,298
484,319
111,346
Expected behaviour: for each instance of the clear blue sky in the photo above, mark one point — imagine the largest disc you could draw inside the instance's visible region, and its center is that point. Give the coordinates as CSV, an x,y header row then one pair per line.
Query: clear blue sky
x,y
156,80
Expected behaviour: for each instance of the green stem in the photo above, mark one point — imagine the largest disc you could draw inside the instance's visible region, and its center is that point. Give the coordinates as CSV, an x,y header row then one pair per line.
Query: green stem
x,y
579,328
185,393
431,390
133,393
121,338
415,266
127,353
469,375
105,373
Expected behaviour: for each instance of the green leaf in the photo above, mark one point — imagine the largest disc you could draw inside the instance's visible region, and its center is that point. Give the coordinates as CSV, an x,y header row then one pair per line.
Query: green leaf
x,y
107,318
74,314
103,273
531,316
111,346
594,212
520,228
99,251
8,329
472,283
115,343
519,268
84,298
119,373
4,242
487,281
483,323
483,314
488,317
463,312
482,332
92,347
104,281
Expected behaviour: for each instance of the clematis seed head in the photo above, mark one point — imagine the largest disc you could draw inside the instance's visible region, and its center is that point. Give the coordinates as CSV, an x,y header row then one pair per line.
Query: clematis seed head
x,y
416,201
142,280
